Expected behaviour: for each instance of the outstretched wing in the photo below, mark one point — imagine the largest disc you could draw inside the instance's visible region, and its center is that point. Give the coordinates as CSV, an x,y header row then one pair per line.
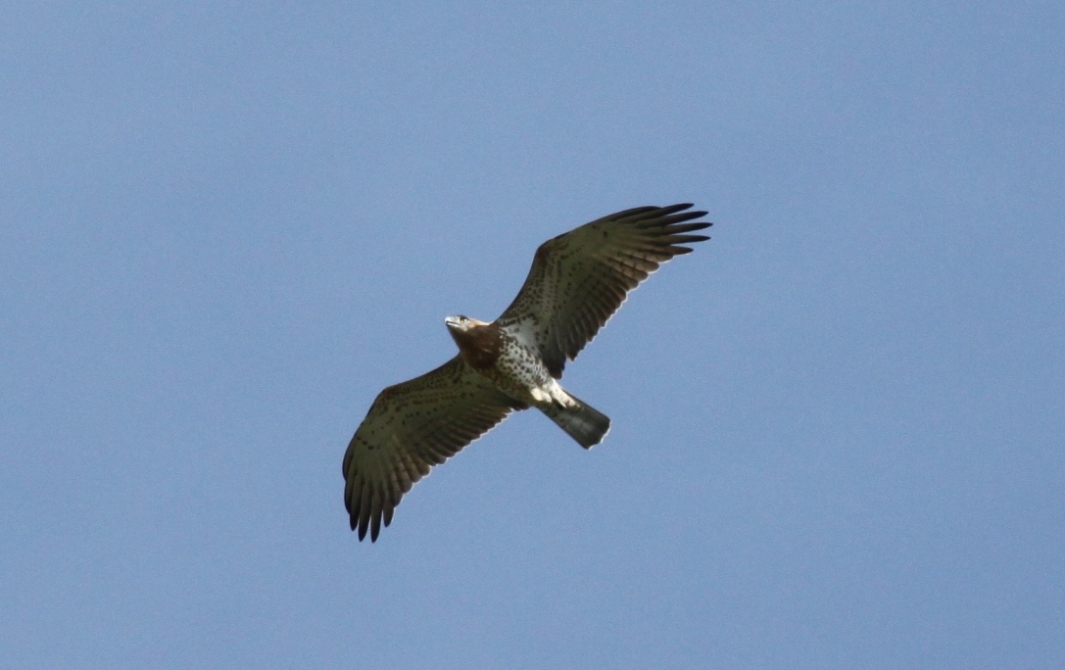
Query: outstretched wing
x,y
579,279
410,428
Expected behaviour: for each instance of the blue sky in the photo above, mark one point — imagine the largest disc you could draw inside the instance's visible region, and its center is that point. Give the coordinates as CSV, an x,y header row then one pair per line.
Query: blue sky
x,y
838,425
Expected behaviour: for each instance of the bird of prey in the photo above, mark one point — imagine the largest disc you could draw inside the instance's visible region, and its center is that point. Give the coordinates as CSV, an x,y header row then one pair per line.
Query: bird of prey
x,y
577,281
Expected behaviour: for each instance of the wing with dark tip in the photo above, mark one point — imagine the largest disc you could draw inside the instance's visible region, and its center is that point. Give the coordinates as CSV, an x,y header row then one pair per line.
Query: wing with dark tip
x,y
579,279
410,428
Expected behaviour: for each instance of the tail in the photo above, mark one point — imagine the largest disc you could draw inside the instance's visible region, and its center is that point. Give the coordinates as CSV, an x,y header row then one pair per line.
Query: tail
x,y
583,423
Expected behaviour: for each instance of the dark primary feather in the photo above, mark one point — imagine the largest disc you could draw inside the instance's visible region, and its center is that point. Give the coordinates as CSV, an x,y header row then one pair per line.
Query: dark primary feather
x,y
411,427
579,279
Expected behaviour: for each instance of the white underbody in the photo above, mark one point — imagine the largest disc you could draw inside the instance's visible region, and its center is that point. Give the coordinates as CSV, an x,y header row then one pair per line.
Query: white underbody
x,y
552,392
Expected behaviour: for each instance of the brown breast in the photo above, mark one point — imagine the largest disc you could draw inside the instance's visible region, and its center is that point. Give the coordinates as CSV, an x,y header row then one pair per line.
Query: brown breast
x,y
479,346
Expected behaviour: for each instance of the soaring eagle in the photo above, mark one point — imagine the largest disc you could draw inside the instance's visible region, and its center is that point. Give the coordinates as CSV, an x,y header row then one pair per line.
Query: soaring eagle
x,y
577,281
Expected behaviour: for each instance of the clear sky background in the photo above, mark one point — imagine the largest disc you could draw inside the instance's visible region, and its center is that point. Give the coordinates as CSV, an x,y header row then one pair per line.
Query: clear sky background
x,y
839,425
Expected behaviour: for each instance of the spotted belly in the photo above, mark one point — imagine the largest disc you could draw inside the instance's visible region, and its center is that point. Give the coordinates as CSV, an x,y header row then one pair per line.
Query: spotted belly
x,y
520,373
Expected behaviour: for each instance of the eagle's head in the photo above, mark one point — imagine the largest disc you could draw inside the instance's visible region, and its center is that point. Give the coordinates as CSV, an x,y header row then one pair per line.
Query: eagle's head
x,y
462,324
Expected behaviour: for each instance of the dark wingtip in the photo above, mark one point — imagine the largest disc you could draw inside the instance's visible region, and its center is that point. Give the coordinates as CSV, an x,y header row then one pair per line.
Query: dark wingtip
x,y
659,213
668,220
679,207
687,239
674,228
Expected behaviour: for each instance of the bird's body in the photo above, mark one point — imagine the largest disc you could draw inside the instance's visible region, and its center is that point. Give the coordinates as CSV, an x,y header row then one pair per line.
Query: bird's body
x,y
507,358
510,360
577,281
